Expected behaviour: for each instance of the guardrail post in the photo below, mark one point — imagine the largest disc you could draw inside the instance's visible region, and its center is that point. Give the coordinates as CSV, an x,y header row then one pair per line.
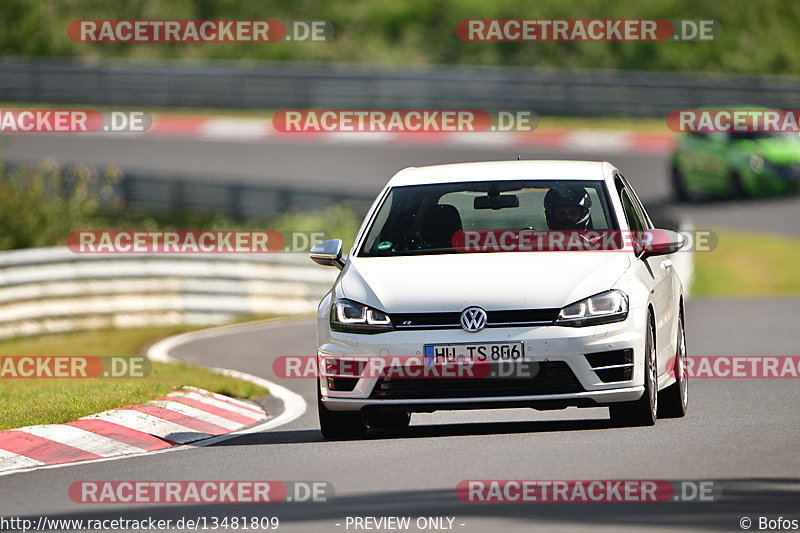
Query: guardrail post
x,y
178,195
235,193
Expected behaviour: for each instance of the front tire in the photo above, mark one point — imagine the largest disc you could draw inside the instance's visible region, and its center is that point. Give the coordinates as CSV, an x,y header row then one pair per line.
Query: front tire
x,y
674,400
340,425
679,192
642,412
736,187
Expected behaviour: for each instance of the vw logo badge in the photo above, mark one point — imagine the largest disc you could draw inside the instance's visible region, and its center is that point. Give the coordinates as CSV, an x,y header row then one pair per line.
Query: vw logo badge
x,y
473,319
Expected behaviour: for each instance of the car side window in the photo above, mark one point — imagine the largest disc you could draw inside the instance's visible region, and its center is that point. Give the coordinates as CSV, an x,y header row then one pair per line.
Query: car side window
x,y
637,204
718,136
618,183
634,222
647,223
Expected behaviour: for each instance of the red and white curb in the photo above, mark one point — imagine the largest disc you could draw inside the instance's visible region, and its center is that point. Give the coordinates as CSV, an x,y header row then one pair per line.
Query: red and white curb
x,y
566,140
187,416
181,417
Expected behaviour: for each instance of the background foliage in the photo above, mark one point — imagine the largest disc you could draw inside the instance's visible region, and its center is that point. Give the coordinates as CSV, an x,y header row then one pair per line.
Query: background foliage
x,y
758,36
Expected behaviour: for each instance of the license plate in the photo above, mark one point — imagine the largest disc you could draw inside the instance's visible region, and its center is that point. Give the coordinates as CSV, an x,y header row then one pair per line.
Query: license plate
x,y
472,353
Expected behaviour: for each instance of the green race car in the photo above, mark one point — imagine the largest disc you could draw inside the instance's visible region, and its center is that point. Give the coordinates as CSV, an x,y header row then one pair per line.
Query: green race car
x,y
735,164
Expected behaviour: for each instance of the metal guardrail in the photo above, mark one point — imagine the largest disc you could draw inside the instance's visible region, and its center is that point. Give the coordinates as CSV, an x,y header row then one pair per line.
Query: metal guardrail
x,y
51,290
216,194
240,201
48,290
299,85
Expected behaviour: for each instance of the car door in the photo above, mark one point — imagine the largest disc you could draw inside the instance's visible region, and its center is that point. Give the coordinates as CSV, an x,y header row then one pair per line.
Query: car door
x,y
668,347
703,159
655,272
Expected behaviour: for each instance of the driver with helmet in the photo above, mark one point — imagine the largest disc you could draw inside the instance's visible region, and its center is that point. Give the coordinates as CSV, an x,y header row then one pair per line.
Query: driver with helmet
x,y
568,207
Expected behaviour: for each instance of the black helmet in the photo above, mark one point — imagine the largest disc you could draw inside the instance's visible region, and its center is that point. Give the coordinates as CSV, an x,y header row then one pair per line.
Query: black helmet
x,y
562,196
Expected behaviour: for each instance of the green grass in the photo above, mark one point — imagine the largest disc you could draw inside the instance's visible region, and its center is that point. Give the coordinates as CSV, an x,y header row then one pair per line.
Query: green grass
x,y
26,402
636,125
748,264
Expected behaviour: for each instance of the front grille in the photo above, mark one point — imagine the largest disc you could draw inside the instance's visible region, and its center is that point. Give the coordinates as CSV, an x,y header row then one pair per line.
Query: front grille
x,y
494,319
553,377
789,172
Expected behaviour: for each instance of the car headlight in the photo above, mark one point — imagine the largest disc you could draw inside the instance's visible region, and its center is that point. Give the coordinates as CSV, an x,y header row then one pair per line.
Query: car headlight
x,y
757,163
353,317
603,308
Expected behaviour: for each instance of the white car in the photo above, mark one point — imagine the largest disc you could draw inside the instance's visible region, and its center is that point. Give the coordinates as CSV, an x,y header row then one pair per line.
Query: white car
x,y
587,327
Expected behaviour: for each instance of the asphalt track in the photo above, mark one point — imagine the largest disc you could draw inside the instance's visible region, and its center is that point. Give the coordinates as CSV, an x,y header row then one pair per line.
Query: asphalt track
x,y
740,433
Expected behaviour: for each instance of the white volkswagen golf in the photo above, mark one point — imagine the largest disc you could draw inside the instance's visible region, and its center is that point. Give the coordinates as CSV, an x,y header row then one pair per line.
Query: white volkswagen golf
x,y
500,285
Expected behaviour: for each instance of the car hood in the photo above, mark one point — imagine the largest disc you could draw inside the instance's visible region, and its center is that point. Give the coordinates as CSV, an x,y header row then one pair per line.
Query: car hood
x,y
494,281
781,151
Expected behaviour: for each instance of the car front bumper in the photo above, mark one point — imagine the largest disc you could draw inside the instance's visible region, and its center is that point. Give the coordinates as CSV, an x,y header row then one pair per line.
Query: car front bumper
x,y
541,344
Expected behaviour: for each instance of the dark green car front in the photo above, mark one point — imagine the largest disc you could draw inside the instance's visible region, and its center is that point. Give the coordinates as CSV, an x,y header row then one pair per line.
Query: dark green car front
x,y
735,164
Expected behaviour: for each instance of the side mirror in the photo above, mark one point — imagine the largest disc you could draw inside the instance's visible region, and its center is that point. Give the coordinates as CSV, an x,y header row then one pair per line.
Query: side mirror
x,y
327,253
661,242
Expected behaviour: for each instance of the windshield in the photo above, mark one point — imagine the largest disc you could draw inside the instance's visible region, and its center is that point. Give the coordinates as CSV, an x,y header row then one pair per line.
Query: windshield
x,y
422,219
755,135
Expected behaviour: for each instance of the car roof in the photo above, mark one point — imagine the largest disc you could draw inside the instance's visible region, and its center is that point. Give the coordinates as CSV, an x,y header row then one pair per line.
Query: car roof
x,y
503,170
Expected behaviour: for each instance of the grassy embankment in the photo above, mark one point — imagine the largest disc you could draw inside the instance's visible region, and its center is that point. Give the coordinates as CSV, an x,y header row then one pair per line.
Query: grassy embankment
x,y
28,401
748,264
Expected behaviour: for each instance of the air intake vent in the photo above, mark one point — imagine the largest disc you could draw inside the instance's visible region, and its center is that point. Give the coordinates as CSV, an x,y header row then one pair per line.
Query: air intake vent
x,y
553,377
613,366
